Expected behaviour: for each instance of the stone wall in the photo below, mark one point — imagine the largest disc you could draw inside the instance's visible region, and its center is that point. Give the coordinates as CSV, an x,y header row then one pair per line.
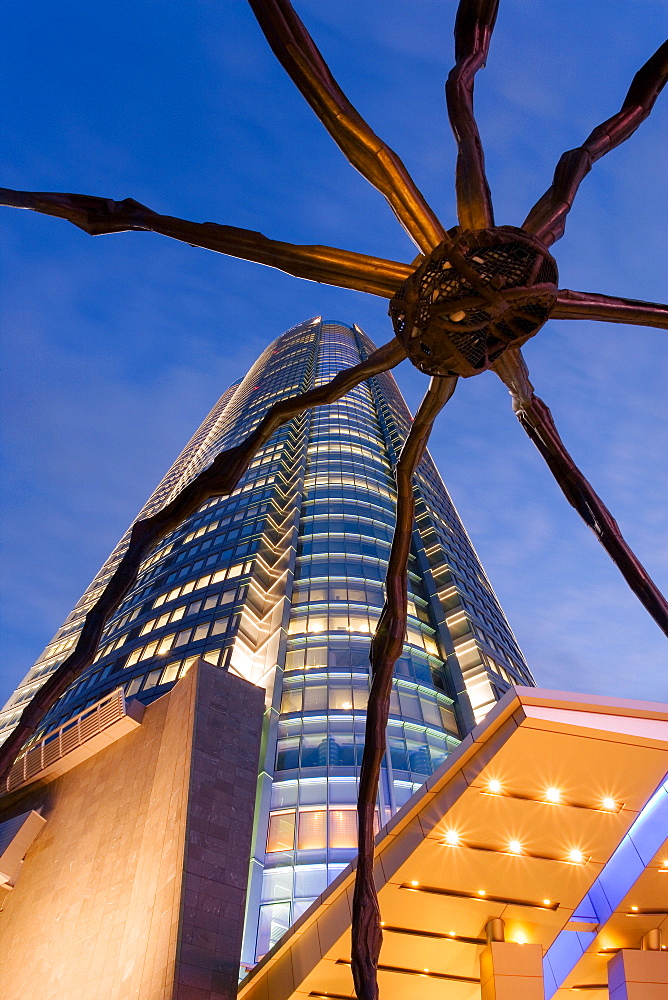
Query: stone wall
x,y
135,888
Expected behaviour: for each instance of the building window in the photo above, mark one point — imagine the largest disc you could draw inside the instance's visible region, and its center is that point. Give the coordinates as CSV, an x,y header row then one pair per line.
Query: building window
x,y
310,881
343,828
312,830
274,922
281,835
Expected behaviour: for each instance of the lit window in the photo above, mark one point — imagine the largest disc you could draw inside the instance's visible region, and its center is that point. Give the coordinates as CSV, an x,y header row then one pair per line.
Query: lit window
x,y
165,643
281,835
343,828
312,830
170,672
340,697
360,695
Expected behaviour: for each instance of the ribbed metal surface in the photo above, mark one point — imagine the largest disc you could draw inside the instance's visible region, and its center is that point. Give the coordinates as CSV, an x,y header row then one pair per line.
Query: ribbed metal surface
x,y
68,737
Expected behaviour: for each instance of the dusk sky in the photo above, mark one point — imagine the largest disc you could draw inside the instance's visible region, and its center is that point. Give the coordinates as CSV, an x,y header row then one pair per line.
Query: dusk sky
x,y
116,347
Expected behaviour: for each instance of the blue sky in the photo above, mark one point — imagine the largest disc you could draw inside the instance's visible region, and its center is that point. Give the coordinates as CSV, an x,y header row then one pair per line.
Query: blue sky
x,y
115,347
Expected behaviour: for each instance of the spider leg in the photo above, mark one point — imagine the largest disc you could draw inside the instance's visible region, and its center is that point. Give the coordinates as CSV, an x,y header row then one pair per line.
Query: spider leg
x,y
537,421
296,51
609,309
219,479
385,649
547,219
328,265
473,31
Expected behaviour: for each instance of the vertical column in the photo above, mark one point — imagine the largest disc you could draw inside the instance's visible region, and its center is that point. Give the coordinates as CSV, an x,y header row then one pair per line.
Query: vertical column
x,y
509,970
639,975
227,727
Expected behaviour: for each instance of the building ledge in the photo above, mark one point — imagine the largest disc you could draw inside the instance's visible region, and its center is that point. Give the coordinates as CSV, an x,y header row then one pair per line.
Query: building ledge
x,y
76,740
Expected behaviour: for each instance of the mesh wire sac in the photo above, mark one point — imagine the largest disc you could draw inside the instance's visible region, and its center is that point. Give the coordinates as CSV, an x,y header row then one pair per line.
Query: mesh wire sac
x,y
471,300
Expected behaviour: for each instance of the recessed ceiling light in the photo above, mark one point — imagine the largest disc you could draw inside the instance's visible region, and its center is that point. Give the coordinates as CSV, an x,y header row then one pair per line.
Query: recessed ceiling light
x,y
452,838
553,794
576,856
609,803
494,785
515,847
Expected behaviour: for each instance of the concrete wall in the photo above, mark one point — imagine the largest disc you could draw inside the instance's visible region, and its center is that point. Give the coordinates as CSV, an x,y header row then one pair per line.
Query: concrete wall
x,y
135,887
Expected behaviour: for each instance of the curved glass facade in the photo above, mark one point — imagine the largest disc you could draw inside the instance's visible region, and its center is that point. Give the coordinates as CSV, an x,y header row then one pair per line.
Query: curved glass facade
x,y
282,583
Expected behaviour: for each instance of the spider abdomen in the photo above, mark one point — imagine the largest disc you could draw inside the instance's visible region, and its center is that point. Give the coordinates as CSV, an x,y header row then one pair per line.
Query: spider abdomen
x,y
474,297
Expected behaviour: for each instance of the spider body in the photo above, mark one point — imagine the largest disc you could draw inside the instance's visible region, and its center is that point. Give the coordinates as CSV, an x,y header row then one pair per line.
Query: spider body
x,y
473,297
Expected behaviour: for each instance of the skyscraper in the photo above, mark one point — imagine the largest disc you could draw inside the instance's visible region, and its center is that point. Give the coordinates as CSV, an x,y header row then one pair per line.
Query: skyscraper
x,y
281,584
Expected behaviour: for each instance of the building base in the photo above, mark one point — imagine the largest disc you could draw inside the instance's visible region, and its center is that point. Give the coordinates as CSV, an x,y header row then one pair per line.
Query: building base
x,y
135,887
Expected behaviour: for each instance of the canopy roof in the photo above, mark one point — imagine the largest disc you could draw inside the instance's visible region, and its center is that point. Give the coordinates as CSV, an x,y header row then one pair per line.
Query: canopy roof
x,y
529,821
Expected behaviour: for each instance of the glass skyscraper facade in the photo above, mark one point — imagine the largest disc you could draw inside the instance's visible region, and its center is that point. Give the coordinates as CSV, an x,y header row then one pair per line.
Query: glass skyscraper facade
x,y
282,584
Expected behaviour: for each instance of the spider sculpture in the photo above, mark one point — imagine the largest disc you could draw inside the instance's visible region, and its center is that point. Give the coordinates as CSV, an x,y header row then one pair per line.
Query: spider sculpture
x,y
475,294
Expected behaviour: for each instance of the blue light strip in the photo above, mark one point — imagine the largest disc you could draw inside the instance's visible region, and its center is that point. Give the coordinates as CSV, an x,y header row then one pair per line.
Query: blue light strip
x,y
621,872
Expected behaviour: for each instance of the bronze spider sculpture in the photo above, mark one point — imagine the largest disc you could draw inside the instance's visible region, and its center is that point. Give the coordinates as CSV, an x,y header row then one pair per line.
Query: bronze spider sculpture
x,y
474,295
